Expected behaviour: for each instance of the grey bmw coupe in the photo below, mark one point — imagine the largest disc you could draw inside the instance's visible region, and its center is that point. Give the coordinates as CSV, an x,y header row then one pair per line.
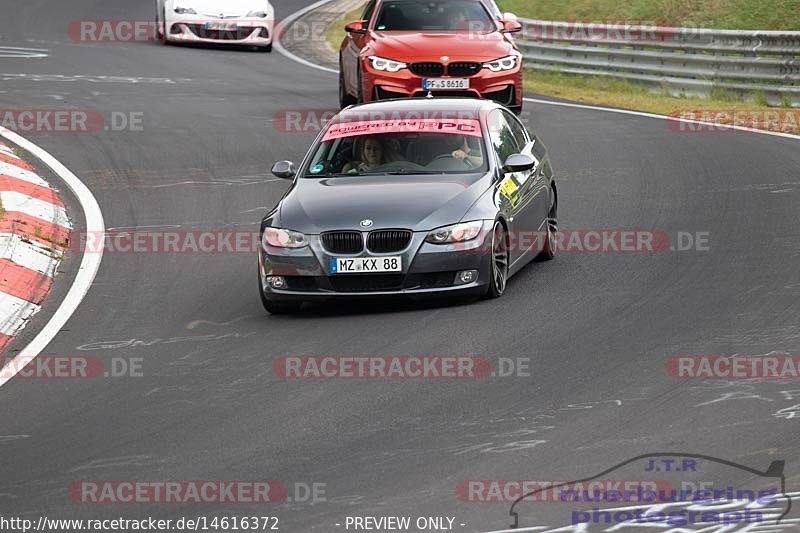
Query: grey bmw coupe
x,y
427,197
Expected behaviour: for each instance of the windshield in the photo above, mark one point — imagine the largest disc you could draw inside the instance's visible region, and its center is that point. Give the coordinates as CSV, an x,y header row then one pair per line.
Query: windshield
x,y
401,147
443,15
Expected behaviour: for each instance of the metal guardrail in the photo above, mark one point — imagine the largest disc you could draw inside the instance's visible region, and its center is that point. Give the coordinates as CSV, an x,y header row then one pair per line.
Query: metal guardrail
x,y
690,61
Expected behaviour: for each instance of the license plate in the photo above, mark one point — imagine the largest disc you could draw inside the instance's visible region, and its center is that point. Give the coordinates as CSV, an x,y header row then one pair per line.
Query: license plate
x,y
445,83
365,265
221,26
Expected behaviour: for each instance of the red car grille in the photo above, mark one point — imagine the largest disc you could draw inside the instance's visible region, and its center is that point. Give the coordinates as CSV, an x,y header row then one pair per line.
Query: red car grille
x,y
461,69
427,69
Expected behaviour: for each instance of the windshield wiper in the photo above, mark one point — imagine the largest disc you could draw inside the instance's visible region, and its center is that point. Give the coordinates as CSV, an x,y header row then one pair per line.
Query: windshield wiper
x,y
333,175
406,172
401,172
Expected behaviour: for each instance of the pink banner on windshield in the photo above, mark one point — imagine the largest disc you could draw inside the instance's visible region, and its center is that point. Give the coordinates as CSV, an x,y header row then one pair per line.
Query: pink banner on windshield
x,y
459,126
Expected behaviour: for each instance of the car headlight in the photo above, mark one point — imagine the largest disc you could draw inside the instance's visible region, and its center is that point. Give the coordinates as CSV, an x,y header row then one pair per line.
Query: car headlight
x,y
284,238
466,231
388,65
504,63
185,11
257,14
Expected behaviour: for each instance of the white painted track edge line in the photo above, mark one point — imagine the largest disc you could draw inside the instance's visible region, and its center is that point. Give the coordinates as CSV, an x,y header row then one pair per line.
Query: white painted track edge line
x,y
287,22
89,264
294,16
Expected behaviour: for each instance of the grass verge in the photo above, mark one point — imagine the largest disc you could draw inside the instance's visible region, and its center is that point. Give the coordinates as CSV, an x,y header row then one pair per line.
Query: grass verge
x,y
336,31
721,107
721,14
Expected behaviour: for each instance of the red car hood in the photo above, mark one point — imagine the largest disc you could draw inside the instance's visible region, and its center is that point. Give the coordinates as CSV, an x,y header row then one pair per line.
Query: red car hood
x,y
431,46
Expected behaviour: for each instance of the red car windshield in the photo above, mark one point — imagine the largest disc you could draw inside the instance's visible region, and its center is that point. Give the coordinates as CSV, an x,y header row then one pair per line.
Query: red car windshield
x,y
441,15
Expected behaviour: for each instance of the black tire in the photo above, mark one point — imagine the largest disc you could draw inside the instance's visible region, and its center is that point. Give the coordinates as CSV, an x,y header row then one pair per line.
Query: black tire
x,y
277,308
265,49
517,109
550,246
500,259
345,99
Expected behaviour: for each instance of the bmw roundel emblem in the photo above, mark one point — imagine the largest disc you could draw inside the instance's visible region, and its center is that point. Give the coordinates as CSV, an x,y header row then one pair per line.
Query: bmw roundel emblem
x,y
366,223
445,58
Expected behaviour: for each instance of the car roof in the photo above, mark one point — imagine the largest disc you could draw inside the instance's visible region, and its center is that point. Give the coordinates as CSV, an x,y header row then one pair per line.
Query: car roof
x,y
417,106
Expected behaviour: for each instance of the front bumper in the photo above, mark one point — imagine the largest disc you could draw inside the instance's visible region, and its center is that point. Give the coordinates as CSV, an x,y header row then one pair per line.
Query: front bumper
x,y
503,87
243,31
429,270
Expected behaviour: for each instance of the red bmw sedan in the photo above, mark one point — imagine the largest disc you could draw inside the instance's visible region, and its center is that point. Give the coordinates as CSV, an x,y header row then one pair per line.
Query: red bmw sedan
x,y
412,48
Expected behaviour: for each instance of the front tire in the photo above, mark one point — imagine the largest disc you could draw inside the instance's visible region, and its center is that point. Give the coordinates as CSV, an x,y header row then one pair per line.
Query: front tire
x,y
499,266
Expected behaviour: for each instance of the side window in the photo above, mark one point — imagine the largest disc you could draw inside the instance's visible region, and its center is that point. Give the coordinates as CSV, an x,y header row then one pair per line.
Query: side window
x,y
503,139
370,9
517,129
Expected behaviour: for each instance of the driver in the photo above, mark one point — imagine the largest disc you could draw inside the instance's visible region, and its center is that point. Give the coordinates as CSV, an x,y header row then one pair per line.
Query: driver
x,y
463,152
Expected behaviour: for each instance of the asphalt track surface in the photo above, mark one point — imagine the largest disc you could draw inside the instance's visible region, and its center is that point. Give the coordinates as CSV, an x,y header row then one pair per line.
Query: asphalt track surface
x,y
597,328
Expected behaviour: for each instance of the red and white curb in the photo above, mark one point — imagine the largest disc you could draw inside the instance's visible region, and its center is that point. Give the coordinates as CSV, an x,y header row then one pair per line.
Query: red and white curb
x,y
34,235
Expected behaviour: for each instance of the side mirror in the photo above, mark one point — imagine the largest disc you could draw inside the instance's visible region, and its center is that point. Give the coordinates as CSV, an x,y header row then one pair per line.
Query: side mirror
x,y
511,26
284,169
356,27
518,163
510,16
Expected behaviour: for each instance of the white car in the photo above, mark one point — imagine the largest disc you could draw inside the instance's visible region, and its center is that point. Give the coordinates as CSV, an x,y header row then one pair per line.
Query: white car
x,y
239,22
